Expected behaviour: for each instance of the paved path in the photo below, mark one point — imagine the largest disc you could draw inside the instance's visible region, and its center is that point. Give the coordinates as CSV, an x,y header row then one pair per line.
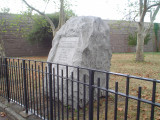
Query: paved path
x,y
5,116
14,111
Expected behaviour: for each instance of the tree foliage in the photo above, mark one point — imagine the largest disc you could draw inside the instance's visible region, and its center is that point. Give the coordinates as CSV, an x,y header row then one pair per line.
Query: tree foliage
x,y
41,29
157,40
156,29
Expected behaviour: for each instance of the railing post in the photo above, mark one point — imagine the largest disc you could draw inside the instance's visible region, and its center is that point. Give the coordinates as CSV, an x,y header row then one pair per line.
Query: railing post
x,y
25,87
0,67
153,99
91,93
6,75
50,90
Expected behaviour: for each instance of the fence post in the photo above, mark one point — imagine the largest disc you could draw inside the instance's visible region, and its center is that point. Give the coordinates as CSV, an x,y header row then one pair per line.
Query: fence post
x,y
0,67
25,87
91,93
50,90
6,75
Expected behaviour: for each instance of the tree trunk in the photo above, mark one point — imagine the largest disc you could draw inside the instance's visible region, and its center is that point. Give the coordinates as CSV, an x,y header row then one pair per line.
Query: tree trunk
x,y
140,43
62,14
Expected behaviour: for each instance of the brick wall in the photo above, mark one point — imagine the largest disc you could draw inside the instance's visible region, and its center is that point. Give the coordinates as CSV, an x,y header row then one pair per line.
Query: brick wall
x,y
119,32
15,45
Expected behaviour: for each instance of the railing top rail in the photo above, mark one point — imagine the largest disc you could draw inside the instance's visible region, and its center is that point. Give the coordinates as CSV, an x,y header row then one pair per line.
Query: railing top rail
x,y
95,70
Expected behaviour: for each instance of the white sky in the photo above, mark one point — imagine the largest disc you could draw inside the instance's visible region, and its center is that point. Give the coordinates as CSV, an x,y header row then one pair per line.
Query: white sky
x,y
106,9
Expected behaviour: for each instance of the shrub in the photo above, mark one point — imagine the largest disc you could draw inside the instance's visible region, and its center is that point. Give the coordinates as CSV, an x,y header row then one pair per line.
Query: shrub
x,y
132,39
41,28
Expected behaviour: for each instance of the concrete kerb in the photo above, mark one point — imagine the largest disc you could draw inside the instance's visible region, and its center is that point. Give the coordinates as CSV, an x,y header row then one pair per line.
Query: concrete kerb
x,y
14,111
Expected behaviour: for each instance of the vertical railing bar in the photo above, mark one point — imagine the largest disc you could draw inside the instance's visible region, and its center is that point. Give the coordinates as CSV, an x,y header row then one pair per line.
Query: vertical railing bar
x,y
16,74
116,101
30,79
39,90
153,99
126,101
25,89
33,90
43,91
91,93
36,85
72,96
58,91
23,86
50,90
14,80
11,81
139,103
4,78
78,93
21,90
106,96
67,90
98,94
19,87
9,76
46,74
7,85
54,93
84,97
27,85
1,75
17,81
62,95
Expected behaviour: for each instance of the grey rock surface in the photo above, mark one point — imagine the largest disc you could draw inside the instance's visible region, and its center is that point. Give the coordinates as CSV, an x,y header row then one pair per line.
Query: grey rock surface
x,y
83,42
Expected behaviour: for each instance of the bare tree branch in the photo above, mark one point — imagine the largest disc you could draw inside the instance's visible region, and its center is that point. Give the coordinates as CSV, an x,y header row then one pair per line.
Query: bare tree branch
x,y
152,19
155,13
140,7
41,13
46,6
149,7
134,19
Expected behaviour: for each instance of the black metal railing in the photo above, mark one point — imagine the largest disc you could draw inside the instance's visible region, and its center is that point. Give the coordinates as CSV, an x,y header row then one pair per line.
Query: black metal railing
x,y
57,91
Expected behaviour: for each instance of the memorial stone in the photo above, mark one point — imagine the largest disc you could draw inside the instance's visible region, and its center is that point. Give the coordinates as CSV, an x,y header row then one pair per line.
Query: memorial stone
x,y
83,42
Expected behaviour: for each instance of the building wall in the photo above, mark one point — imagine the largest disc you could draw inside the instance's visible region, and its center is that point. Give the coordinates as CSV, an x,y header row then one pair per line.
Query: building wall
x,y
16,45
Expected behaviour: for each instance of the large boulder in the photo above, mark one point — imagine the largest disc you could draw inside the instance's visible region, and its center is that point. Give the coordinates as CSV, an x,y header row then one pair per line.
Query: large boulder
x,y
83,42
